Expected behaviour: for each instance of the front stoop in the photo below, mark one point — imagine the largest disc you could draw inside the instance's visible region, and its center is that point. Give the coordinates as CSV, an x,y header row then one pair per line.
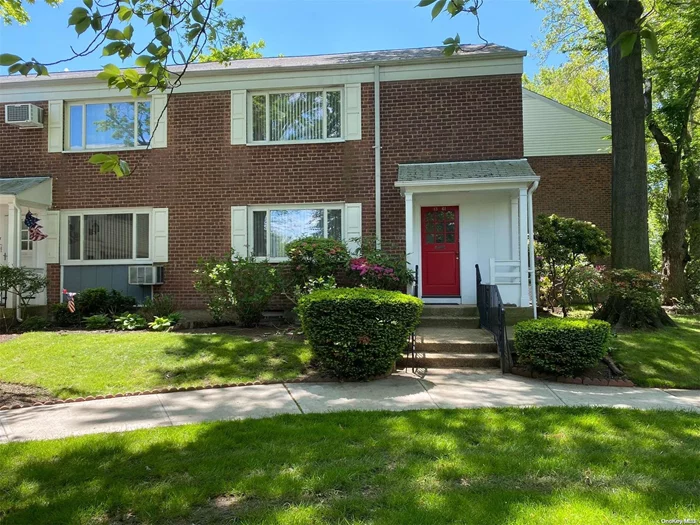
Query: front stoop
x,y
449,337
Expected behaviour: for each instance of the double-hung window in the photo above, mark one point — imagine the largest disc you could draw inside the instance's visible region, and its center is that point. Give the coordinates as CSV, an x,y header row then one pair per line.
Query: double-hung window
x,y
27,243
274,227
114,236
108,125
294,116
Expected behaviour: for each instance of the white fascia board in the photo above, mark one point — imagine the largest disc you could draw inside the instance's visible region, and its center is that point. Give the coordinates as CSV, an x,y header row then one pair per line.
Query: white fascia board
x,y
224,80
434,186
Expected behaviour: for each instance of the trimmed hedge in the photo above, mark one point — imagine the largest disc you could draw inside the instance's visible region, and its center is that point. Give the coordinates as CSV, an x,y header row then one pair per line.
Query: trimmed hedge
x,y
561,346
358,333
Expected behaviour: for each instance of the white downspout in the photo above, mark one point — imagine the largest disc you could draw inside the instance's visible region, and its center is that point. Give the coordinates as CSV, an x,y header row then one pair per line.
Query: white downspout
x,y
377,163
531,234
14,248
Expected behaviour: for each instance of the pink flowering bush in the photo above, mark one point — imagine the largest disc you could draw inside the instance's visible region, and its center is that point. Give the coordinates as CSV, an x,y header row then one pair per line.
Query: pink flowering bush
x,y
383,270
315,258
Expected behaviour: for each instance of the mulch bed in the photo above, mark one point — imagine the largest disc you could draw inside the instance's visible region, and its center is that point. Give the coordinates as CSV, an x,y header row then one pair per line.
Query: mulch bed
x,y
598,375
14,394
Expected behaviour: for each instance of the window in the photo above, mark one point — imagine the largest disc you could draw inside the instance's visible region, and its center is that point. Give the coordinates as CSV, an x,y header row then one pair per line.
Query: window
x,y
296,116
108,236
27,243
109,125
274,228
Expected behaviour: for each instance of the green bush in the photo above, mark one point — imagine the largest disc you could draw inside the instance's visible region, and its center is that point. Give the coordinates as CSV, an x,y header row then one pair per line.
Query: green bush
x,y
24,283
96,301
561,346
358,333
160,305
314,258
237,285
98,322
34,323
640,292
64,318
161,324
382,269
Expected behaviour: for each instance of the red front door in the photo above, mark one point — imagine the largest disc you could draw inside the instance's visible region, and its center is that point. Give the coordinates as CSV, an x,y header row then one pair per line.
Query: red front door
x,y
440,251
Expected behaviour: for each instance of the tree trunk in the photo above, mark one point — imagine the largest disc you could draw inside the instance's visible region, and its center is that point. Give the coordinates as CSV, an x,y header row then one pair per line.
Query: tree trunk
x,y
630,235
694,211
674,245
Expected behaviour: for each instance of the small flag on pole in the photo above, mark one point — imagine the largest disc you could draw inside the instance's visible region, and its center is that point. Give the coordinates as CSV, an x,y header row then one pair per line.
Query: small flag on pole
x,y
71,300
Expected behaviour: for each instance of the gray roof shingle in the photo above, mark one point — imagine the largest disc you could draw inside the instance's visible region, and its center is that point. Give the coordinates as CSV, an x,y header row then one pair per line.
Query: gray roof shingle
x,y
18,185
482,169
331,61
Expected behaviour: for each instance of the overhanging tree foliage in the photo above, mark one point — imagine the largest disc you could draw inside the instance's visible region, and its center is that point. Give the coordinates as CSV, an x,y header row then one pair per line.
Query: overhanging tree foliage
x,y
172,35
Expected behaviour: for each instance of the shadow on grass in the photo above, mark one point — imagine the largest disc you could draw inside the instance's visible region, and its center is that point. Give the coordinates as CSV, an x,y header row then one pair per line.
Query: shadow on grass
x,y
438,466
217,358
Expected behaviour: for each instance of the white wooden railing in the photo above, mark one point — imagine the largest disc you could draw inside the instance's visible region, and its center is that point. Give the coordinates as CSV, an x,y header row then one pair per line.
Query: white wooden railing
x,y
504,272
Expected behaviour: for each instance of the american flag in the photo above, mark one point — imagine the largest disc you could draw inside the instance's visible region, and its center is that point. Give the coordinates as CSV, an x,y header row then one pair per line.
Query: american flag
x,y
71,300
32,224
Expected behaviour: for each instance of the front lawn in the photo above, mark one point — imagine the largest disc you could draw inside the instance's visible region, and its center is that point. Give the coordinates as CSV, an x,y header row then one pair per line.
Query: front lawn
x,y
668,358
516,466
83,364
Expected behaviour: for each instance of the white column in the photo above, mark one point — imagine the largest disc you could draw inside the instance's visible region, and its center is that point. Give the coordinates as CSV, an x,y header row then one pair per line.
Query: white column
x,y
13,243
409,233
514,229
522,239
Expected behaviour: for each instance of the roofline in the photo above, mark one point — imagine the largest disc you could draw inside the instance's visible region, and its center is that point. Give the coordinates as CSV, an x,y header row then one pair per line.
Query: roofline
x,y
461,162
466,182
595,120
397,62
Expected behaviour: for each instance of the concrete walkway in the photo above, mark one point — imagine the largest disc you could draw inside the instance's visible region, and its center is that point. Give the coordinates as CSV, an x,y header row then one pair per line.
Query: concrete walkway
x,y
438,389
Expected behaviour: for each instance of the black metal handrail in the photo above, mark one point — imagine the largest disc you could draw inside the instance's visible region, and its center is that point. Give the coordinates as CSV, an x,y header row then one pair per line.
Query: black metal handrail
x,y
492,317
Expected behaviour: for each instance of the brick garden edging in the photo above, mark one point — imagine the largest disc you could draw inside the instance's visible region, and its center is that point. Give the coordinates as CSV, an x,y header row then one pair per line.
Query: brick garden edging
x,y
526,372
164,391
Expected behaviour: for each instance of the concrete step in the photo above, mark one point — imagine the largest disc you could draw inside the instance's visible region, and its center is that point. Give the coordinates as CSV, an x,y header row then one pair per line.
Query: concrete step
x,y
449,322
454,340
450,310
450,360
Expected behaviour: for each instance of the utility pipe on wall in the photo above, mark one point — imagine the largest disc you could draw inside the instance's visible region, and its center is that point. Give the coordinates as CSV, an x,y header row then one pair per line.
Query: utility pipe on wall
x,y
531,234
377,163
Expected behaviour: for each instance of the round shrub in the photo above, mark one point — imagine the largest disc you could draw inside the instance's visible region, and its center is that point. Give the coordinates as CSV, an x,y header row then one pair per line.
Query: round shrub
x,y
561,346
358,333
313,258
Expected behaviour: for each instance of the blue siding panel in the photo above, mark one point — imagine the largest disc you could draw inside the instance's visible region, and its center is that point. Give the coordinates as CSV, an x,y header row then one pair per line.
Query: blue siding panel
x,y
112,277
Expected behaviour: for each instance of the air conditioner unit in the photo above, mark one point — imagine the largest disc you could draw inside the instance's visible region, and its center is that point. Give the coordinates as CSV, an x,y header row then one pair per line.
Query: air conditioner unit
x,y
24,115
146,275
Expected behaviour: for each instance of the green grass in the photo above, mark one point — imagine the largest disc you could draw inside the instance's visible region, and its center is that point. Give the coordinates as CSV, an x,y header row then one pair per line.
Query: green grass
x,y
668,358
503,466
71,365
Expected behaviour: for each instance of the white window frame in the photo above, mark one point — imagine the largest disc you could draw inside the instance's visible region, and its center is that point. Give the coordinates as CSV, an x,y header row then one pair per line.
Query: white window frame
x,y
324,90
310,206
30,243
65,214
82,103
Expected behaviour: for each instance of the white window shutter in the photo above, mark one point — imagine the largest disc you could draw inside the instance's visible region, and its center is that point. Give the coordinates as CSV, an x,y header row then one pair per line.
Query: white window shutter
x,y
55,126
159,133
239,230
353,226
353,111
160,235
238,116
50,223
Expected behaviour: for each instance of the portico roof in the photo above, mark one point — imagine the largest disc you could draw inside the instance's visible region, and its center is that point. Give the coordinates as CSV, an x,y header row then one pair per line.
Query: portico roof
x,y
467,171
34,190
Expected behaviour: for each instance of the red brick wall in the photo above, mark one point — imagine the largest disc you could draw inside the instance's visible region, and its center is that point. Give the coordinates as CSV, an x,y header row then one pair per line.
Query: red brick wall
x,y
578,186
200,175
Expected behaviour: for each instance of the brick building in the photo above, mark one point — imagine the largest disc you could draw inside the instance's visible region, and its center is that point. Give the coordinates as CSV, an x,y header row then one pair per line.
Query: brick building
x,y
447,158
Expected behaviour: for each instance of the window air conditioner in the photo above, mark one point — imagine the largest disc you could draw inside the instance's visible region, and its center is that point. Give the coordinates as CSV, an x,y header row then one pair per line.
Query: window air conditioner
x,y
24,115
146,275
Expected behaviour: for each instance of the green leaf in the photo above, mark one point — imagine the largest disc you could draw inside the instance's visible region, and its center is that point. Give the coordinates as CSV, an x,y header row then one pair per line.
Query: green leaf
x,y
425,3
77,15
437,8
7,59
651,42
96,23
14,69
143,60
128,32
125,13
112,48
124,166
197,15
192,33
626,41
112,70
99,158
82,26
114,34
88,3
152,48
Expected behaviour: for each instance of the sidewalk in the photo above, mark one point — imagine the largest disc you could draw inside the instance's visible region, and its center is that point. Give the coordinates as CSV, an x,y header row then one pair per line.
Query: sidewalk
x,y
438,389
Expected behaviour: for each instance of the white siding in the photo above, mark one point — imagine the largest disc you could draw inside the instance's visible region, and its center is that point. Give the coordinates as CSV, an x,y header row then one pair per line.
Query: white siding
x,y
551,128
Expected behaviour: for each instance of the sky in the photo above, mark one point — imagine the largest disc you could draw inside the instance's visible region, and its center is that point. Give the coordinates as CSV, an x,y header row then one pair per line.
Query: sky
x,y
304,27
